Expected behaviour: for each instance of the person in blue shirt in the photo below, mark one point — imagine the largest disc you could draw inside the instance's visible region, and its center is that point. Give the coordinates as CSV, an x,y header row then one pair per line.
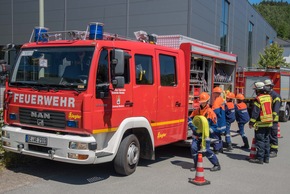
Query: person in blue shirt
x,y
242,118
230,118
202,125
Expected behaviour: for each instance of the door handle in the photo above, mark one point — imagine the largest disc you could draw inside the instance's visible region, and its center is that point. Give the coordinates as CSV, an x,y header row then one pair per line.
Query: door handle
x,y
128,104
178,104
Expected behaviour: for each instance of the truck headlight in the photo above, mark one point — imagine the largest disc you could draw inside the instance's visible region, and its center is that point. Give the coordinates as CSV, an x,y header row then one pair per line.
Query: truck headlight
x,y
78,145
6,134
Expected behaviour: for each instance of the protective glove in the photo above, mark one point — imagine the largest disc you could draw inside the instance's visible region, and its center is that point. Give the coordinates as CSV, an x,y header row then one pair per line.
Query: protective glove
x,y
207,147
190,124
251,125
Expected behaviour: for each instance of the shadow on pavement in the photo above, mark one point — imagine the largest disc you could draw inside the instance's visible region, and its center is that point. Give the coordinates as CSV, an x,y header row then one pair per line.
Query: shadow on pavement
x,y
84,174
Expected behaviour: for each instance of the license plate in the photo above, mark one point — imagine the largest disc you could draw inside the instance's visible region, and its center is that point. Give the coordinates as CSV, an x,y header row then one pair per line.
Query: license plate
x,y
36,140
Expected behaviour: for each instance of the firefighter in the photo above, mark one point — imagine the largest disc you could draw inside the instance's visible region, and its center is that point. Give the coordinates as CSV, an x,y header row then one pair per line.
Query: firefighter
x,y
275,108
230,117
242,117
262,121
219,109
203,124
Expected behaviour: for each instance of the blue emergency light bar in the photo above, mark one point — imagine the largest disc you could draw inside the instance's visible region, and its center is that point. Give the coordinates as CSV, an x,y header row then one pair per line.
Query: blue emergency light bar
x,y
96,31
39,34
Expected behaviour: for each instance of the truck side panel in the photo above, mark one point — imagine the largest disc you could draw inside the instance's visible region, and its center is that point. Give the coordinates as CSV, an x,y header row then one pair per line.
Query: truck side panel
x,y
285,83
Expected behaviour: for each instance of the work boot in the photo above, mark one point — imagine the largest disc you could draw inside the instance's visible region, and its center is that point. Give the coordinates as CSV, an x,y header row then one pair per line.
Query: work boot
x,y
216,167
230,147
246,143
245,147
266,160
273,154
218,151
193,168
257,161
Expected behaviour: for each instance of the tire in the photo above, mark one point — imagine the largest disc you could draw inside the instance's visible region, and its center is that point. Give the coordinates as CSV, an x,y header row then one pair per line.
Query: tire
x,y
285,115
128,155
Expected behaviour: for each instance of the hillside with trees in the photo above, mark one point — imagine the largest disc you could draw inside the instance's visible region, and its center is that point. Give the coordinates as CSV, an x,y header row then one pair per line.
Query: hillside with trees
x,y
277,14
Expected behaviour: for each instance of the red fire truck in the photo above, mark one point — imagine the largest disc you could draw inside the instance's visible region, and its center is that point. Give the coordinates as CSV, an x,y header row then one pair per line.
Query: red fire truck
x,y
89,97
246,77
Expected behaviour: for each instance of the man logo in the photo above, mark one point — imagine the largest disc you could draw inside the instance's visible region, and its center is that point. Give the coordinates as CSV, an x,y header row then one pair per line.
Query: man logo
x,y
40,122
40,115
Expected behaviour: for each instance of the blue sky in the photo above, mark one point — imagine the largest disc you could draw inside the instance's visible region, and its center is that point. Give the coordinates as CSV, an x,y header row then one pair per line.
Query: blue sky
x,y
258,1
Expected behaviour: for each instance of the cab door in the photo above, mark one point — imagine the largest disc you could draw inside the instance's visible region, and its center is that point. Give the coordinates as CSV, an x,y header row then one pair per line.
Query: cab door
x,y
111,106
171,97
144,85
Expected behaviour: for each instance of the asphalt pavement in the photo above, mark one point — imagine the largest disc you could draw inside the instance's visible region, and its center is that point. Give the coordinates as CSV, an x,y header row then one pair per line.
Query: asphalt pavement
x,y
169,174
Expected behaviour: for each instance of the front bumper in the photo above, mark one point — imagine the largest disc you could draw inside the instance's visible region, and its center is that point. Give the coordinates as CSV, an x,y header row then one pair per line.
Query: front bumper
x,y
56,148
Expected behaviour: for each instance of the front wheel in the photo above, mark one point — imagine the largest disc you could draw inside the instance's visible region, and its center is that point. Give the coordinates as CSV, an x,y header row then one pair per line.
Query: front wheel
x,y
128,155
284,117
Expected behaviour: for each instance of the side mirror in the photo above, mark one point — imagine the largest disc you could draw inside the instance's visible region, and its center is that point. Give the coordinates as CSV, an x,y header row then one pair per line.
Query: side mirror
x,y
4,69
118,67
118,82
118,61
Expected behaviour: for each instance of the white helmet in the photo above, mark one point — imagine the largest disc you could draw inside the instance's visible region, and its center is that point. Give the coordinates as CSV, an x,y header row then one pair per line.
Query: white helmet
x,y
259,85
268,82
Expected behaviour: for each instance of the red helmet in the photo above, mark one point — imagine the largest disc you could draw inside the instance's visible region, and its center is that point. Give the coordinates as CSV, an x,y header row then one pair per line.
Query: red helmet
x,y
230,95
217,90
240,97
204,97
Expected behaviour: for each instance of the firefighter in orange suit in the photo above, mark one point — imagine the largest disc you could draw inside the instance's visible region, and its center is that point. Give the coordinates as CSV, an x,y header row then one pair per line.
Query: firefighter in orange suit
x,y
230,117
218,107
262,121
276,108
242,117
203,124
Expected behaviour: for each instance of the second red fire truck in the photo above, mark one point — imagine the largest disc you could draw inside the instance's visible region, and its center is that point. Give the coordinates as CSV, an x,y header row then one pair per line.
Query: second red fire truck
x,y
89,97
246,77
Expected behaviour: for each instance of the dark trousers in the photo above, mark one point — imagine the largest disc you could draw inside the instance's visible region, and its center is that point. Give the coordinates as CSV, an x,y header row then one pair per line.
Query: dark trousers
x,y
228,133
262,142
274,138
218,143
195,147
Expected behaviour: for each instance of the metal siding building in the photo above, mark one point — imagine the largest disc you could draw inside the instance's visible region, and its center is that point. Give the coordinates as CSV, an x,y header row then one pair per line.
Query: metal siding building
x,y
199,19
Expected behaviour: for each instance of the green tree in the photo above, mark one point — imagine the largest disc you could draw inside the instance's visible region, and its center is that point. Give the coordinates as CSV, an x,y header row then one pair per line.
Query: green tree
x,y
277,13
272,57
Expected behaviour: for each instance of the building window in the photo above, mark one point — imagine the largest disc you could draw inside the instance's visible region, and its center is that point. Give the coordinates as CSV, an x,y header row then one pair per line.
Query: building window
x,y
167,70
224,25
250,43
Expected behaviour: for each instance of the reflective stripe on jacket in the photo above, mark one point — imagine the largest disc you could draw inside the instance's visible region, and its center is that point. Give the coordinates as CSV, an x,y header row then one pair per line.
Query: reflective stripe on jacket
x,y
209,114
242,114
262,111
276,105
219,109
230,112
266,114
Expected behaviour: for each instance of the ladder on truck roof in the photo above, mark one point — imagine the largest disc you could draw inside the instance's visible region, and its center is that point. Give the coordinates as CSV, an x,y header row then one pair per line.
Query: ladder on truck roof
x,y
240,80
175,41
266,69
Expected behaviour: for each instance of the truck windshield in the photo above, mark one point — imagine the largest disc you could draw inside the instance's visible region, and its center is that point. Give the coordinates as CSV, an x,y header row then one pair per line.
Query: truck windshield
x,y
56,67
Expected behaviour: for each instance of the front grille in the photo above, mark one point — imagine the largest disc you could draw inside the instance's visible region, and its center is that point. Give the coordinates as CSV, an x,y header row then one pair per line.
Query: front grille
x,y
51,119
40,149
